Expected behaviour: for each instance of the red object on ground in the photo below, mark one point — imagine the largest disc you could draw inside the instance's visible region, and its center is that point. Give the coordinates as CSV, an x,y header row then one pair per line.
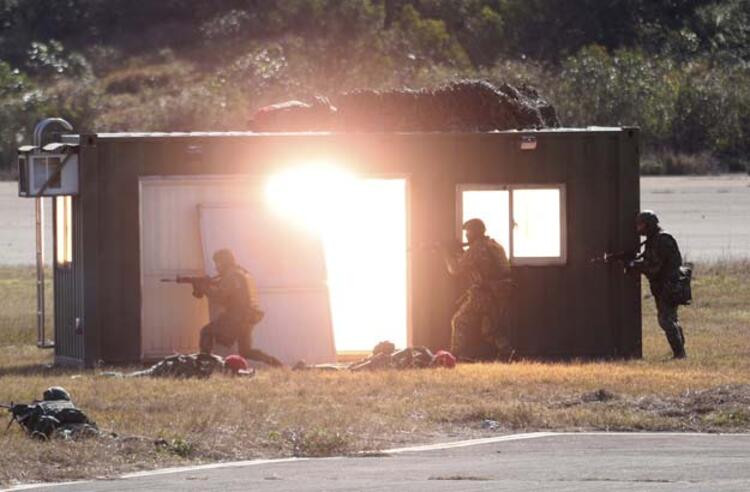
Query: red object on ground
x,y
235,363
443,358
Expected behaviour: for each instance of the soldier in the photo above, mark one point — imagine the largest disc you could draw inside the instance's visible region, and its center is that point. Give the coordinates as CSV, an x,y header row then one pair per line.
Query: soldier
x,y
234,291
477,325
660,262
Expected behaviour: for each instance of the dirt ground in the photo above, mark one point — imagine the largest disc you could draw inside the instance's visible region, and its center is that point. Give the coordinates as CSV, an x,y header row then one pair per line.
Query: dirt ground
x,y
282,413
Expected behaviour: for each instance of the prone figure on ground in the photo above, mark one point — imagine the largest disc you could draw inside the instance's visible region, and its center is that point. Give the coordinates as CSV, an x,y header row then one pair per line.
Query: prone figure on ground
x,y
54,416
479,325
661,263
234,292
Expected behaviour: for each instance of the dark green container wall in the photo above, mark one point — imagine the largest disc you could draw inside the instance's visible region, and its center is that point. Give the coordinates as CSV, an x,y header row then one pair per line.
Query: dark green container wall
x,y
572,310
68,294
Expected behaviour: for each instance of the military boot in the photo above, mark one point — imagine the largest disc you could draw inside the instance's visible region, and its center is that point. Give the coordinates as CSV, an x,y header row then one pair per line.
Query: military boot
x,y
677,345
260,356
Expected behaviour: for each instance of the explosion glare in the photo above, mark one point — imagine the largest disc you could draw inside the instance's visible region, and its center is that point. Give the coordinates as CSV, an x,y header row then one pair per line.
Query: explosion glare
x,y
362,225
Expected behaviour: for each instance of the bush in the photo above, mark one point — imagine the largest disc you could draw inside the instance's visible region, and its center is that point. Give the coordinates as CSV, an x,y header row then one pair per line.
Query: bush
x,y
677,163
20,106
623,88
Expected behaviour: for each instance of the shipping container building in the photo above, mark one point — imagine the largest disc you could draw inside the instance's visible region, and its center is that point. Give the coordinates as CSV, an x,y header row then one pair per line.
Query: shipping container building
x,y
150,206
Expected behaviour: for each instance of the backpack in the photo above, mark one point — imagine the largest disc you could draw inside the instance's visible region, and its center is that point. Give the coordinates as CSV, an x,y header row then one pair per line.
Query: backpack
x,y
678,291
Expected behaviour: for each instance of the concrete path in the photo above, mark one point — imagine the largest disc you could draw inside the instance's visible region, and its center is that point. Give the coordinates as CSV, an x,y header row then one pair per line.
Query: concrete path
x,y
540,461
17,227
709,215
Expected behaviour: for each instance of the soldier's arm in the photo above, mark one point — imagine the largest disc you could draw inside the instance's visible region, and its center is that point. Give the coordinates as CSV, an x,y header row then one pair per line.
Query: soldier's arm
x,y
645,267
452,262
652,265
219,292
460,264
503,261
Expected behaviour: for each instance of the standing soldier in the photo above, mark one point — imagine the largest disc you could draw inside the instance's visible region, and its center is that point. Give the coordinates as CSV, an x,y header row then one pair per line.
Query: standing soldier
x,y
234,292
660,262
478,330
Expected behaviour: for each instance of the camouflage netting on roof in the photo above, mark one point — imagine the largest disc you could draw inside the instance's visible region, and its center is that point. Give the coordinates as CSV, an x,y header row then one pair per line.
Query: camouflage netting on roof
x,y
459,106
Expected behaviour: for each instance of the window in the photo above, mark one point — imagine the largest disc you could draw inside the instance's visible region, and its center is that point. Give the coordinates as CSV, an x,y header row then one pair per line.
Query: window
x,y
536,223
493,207
537,215
64,230
47,169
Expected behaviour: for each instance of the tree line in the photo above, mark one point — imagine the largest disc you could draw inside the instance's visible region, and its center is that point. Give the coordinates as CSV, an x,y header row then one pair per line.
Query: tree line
x,y
676,68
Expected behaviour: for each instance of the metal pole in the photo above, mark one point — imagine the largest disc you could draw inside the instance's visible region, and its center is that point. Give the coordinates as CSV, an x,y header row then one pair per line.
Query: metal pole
x,y
41,335
40,307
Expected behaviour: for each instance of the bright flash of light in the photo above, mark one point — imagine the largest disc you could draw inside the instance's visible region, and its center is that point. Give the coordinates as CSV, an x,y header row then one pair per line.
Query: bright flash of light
x,y
362,225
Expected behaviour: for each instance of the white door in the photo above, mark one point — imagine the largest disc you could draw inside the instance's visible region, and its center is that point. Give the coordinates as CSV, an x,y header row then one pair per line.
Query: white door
x,y
172,244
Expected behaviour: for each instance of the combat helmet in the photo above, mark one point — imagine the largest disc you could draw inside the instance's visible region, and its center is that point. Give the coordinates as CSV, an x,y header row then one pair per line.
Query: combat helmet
x,y
650,220
56,393
475,224
224,255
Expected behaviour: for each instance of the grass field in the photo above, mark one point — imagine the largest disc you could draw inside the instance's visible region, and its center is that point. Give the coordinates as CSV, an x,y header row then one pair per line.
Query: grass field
x,y
285,413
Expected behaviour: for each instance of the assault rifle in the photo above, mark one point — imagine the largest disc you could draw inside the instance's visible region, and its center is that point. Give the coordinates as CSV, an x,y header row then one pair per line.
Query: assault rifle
x,y
19,412
624,257
200,284
432,246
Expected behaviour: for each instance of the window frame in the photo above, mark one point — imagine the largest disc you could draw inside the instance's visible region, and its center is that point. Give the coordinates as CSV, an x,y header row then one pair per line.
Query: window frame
x,y
562,259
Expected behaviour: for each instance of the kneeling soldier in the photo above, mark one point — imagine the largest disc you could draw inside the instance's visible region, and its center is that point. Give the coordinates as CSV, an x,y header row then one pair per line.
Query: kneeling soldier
x,y
234,291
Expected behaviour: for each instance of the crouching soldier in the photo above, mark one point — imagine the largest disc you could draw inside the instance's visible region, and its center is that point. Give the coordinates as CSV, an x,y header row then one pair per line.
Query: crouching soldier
x,y
234,293
479,326
661,263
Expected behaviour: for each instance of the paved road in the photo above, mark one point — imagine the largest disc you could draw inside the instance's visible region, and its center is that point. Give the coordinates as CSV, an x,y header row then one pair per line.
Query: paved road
x,y
546,461
709,215
17,236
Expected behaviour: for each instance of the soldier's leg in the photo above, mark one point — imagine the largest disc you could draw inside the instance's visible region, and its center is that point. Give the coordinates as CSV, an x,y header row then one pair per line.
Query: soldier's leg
x,y
245,346
206,340
667,317
466,330
502,342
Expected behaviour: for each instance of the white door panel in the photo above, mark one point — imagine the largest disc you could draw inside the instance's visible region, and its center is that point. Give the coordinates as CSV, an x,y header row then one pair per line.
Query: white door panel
x,y
183,221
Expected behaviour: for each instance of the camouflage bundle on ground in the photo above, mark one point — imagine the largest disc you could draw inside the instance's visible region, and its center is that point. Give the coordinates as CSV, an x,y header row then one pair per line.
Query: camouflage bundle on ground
x,y
459,106
385,356
190,366
184,366
53,416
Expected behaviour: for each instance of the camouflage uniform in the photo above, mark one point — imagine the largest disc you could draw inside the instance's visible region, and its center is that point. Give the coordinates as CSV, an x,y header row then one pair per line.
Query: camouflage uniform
x,y
236,294
479,324
660,263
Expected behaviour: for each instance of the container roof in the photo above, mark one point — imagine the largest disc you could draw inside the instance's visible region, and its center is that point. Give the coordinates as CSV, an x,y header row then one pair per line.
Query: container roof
x,y
152,135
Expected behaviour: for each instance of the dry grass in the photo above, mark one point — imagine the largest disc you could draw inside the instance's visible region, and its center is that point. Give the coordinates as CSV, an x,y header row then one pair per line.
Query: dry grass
x,y
284,413
18,305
